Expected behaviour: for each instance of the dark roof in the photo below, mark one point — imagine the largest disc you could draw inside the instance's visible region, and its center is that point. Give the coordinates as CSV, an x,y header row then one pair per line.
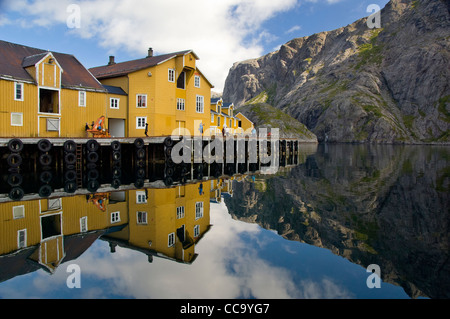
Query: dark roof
x,y
123,68
14,58
214,100
226,105
114,90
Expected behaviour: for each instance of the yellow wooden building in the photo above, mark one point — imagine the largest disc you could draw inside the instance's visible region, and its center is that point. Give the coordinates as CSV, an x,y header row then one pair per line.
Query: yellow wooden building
x,y
222,116
168,92
246,124
46,94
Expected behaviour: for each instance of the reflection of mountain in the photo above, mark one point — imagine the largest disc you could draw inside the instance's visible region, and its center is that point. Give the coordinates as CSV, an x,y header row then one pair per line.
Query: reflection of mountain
x,y
386,205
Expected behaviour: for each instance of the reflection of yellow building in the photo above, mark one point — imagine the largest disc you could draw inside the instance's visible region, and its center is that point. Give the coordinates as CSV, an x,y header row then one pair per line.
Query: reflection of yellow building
x,y
47,232
168,221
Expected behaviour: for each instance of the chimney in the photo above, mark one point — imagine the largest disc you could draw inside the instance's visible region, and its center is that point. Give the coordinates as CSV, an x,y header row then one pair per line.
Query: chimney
x,y
111,60
150,53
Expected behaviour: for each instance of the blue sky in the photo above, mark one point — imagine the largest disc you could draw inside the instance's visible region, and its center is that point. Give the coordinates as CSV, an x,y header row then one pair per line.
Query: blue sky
x,y
221,32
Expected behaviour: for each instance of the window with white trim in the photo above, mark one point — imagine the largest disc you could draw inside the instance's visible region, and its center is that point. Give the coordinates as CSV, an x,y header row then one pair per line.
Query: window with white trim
x,y
115,217
198,210
171,75
21,238
18,212
18,91
197,81
141,218
180,212
212,118
114,103
141,197
82,98
83,224
181,104
141,100
196,230
140,122
16,119
200,104
171,240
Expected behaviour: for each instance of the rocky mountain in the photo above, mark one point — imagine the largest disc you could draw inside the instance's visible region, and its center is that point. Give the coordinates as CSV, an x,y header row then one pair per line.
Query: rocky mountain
x,y
357,84
370,204
264,115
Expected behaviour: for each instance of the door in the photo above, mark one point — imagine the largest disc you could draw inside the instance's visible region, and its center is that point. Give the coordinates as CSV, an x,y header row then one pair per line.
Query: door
x,y
116,127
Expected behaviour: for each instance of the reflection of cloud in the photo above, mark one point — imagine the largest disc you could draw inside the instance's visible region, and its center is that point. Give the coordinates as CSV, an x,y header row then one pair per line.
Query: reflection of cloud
x,y
325,289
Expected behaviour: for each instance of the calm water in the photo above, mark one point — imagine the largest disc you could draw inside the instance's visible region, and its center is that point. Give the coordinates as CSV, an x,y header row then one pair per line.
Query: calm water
x,y
307,232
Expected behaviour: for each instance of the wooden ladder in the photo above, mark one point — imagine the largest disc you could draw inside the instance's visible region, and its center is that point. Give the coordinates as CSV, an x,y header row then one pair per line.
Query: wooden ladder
x,y
79,165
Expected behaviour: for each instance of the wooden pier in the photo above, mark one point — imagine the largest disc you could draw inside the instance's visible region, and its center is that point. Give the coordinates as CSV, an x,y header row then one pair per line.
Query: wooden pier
x,y
41,167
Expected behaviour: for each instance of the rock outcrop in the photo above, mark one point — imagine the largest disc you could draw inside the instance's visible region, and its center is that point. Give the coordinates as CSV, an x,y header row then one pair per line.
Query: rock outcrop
x,y
356,84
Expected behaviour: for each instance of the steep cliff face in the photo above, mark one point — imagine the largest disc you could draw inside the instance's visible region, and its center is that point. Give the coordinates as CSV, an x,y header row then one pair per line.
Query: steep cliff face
x,y
355,84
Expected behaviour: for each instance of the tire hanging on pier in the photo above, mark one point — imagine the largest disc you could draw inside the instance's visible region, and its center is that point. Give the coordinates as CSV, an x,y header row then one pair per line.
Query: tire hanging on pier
x,y
15,145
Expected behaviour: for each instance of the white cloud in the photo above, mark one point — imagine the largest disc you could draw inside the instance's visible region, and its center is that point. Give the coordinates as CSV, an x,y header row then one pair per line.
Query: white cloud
x,y
293,29
220,32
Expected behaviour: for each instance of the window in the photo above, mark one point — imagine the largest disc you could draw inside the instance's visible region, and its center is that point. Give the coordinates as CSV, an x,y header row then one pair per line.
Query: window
x,y
231,123
115,217
141,197
141,218
180,212
181,104
200,104
18,212
82,98
49,100
197,81
21,238
16,119
171,240
140,122
181,82
196,230
212,118
218,121
18,91
83,224
114,103
54,204
198,210
171,75
141,100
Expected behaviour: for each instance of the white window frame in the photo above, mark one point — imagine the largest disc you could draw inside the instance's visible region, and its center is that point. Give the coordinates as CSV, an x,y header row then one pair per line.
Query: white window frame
x,y
140,125
137,101
82,98
171,240
200,104
181,104
114,103
141,197
198,210
171,75
196,230
218,120
16,114
141,218
115,217
24,243
180,212
212,117
18,212
197,81
20,86
83,224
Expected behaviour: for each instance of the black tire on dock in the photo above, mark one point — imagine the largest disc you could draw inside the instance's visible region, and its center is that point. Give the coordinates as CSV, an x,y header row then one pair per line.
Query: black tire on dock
x,y
45,190
70,187
92,146
93,185
140,153
70,176
15,179
115,145
15,145
92,157
115,183
169,171
93,174
16,193
14,160
44,145
139,143
116,156
168,142
70,146
45,177
139,183
45,159
168,181
70,159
